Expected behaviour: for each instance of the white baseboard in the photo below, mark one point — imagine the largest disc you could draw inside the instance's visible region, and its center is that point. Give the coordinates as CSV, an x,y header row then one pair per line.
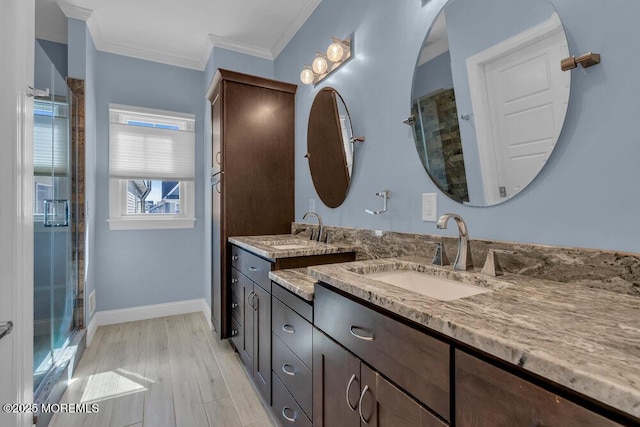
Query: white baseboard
x,y
112,317
206,310
91,329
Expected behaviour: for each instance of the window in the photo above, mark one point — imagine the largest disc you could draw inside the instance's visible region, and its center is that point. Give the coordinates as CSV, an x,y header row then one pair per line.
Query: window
x,y
151,168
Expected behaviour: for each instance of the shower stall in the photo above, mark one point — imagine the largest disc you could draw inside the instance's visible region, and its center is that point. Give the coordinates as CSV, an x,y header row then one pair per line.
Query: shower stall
x,y
55,208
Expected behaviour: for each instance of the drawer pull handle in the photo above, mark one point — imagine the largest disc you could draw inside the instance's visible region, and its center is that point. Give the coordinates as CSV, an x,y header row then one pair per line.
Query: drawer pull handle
x,y
234,305
250,299
234,333
292,372
253,268
364,391
362,337
346,394
290,419
234,280
234,258
288,329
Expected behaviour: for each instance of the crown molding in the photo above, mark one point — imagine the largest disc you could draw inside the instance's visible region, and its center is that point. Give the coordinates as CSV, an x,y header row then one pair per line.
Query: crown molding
x,y
295,26
152,55
240,47
74,12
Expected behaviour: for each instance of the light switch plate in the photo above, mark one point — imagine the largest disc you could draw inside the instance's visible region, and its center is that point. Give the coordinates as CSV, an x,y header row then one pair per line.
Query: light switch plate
x,y
429,207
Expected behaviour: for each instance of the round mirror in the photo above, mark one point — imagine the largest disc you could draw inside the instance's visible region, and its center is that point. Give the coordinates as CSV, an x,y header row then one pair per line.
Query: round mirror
x,y
330,147
489,98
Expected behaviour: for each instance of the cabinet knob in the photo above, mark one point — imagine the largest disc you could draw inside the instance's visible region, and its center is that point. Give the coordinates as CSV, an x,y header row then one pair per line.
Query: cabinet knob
x,y
234,333
234,305
234,280
234,258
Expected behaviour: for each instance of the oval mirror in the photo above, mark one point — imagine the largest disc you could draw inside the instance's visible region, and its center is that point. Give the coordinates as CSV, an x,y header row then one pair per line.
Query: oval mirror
x,y
489,98
330,147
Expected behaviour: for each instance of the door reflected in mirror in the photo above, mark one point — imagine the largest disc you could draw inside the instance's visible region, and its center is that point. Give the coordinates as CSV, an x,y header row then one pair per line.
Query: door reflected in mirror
x,y
330,147
489,98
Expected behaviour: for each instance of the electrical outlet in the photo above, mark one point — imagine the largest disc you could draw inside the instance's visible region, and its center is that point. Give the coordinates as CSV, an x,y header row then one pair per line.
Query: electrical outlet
x,y
92,302
429,207
312,205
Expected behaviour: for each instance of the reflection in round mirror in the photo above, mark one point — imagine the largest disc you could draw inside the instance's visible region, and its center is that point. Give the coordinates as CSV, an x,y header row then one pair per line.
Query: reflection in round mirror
x,y
330,147
489,97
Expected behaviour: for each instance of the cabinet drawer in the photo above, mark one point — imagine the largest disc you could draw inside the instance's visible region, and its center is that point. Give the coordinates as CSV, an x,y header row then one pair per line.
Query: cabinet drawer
x,y
293,330
412,359
285,408
236,334
252,266
487,395
296,377
300,306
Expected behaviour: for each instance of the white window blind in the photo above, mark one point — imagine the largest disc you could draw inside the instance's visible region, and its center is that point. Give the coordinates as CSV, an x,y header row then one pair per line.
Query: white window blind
x,y
151,144
50,139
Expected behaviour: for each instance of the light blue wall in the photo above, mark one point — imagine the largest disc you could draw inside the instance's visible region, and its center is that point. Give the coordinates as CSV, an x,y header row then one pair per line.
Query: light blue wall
x,y
57,52
137,268
82,65
587,195
433,75
228,60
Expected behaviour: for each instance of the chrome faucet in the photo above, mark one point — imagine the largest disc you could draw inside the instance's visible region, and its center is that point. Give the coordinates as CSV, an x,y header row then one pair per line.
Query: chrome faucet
x,y
320,226
463,258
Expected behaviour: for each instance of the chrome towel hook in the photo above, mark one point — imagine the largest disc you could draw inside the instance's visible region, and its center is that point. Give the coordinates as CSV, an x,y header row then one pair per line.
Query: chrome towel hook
x,y
385,196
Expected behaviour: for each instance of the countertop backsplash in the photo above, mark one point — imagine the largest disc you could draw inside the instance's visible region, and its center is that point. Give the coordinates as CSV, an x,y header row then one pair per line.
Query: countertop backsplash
x,y
610,270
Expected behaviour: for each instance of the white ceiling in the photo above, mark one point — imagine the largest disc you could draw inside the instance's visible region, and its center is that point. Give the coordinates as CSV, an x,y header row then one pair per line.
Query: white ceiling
x,y
178,32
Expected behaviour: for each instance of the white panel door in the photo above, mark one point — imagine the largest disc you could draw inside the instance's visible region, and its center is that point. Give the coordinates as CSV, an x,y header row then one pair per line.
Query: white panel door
x,y
526,109
16,216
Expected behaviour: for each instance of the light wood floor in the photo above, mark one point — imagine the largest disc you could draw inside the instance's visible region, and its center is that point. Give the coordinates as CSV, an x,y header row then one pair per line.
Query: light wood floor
x,y
170,371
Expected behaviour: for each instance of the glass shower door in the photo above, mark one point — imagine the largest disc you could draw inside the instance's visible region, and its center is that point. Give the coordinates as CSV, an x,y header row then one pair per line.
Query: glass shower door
x,y
54,258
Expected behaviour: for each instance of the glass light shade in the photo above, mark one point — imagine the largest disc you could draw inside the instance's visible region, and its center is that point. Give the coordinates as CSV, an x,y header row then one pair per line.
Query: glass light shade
x,y
307,76
335,52
320,65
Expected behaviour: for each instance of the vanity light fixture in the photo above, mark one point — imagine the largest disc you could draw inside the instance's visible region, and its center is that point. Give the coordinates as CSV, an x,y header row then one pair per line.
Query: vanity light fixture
x,y
338,52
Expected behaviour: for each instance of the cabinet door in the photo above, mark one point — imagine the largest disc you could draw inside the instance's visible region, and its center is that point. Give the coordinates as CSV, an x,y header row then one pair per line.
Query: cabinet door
x,y
336,384
488,396
381,404
246,346
262,342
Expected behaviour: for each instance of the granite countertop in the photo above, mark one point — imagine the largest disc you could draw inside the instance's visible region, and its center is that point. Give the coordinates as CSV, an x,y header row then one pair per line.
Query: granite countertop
x,y
295,280
585,339
288,246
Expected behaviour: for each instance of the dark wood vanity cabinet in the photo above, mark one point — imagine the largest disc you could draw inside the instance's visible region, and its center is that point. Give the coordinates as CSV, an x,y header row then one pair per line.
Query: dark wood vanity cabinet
x,y
292,343
489,396
251,326
369,368
349,393
253,137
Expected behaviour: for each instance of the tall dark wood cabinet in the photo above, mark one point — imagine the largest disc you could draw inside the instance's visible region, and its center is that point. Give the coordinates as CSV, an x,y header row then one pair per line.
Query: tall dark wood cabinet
x,y
253,162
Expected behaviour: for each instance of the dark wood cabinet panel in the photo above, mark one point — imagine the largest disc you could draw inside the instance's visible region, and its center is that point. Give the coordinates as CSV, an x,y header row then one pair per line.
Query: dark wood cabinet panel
x,y
293,330
489,396
385,405
246,349
254,267
286,409
262,341
412,359
253,131
336,384
295,376
302,307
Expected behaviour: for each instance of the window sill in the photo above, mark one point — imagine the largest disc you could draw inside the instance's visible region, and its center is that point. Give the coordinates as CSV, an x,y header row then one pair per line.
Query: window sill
x,y
151,223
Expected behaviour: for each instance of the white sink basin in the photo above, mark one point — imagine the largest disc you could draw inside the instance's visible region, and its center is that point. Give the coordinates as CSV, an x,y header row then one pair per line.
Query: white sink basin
x,y
428,285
